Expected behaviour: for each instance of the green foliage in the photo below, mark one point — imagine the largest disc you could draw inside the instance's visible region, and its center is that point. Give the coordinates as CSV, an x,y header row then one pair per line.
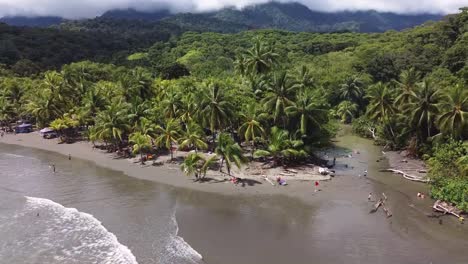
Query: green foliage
x,y
448,170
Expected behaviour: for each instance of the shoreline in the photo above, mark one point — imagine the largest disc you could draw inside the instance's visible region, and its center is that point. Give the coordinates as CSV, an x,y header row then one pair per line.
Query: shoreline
x,y
168,174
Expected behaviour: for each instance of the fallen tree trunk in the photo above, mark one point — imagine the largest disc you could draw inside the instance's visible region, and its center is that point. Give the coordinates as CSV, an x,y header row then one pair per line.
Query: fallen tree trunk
x,y
408,176
446,208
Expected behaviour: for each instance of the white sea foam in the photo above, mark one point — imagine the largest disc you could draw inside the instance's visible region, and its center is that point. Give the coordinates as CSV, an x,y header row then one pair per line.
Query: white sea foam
x,y
93,237
13,155
180,249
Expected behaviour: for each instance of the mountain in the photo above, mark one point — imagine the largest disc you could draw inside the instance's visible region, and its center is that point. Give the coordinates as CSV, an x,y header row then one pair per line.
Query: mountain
x,y
132,14
285,16
297,17
274,15
45,21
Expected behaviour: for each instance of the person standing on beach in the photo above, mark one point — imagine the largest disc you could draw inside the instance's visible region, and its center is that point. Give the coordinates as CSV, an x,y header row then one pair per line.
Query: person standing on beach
x,y
53,168
316,186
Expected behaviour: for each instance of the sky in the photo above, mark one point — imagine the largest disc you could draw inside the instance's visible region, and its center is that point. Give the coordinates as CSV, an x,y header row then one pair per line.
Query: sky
x,y
73,9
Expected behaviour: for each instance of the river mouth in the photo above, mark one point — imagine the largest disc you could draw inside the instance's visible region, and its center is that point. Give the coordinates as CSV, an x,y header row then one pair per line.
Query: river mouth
x,y
162,224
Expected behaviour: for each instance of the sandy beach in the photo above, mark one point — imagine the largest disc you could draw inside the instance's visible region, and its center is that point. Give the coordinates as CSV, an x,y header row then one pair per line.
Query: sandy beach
x,y
171,174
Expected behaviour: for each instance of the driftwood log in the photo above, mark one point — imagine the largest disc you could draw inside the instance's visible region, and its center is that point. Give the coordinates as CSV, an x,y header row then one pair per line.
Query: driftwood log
x,y
381,203
407,176
447,208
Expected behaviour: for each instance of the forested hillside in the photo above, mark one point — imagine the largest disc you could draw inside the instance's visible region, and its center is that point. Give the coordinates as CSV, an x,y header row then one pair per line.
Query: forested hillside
x,y
271,15
277,94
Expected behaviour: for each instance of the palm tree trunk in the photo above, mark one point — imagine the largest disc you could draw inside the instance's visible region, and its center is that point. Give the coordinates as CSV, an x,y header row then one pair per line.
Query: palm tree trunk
x,y
141,157
172,156
221,166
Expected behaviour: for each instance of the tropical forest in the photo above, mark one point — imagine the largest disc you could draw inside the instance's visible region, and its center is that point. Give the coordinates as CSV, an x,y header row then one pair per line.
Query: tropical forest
x,y
259,94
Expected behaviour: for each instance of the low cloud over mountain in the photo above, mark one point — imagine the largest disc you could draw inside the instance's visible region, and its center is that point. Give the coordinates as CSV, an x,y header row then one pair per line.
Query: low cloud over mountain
x,y
91,8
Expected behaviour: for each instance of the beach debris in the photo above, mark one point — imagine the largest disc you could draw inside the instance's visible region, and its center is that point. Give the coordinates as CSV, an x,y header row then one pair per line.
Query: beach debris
x,y
408,176
448,208
268,180
324,171
381,203
369,198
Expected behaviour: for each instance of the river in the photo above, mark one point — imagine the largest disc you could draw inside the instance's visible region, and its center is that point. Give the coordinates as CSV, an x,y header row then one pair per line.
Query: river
x,y
87,214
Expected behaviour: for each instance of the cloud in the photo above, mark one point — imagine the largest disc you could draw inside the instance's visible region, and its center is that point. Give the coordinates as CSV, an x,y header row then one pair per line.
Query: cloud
x,y
92,8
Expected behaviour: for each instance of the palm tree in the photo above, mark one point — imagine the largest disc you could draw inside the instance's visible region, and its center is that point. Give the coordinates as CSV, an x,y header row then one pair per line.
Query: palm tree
x,y
347,110
146,127
407,87
93,102
229,151
113,123
381,102
453,119
351,89
424,109
251,129
216,107
305,81
197,165
260,59
280,147
279,96
140,142
171,104
193,138
63,126
309,110
43,107
6,111
240,65
168,135
192,164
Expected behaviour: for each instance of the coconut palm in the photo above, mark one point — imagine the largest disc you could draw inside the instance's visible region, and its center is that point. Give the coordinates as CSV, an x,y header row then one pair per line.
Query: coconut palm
x,y
381,102
93,102
240,65
305,81
193,138
308,108
216,107
280,93
281,147
171,104
6,111
453,118
352,89
230,152
113,123
192,164
260,59
168,135
63,125
146,127
407,87
251,129
140,142
197,165
347,110
42,106
424,109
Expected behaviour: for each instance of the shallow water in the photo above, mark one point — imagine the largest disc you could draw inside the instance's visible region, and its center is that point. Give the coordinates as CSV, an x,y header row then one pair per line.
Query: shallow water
x,y
155,221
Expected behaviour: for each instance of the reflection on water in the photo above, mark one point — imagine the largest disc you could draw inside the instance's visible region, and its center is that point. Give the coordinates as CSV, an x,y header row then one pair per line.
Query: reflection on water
x,y
337,228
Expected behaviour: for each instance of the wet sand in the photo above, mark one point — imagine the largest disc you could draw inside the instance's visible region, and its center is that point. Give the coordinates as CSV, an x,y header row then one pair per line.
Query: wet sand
x,y
169,174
